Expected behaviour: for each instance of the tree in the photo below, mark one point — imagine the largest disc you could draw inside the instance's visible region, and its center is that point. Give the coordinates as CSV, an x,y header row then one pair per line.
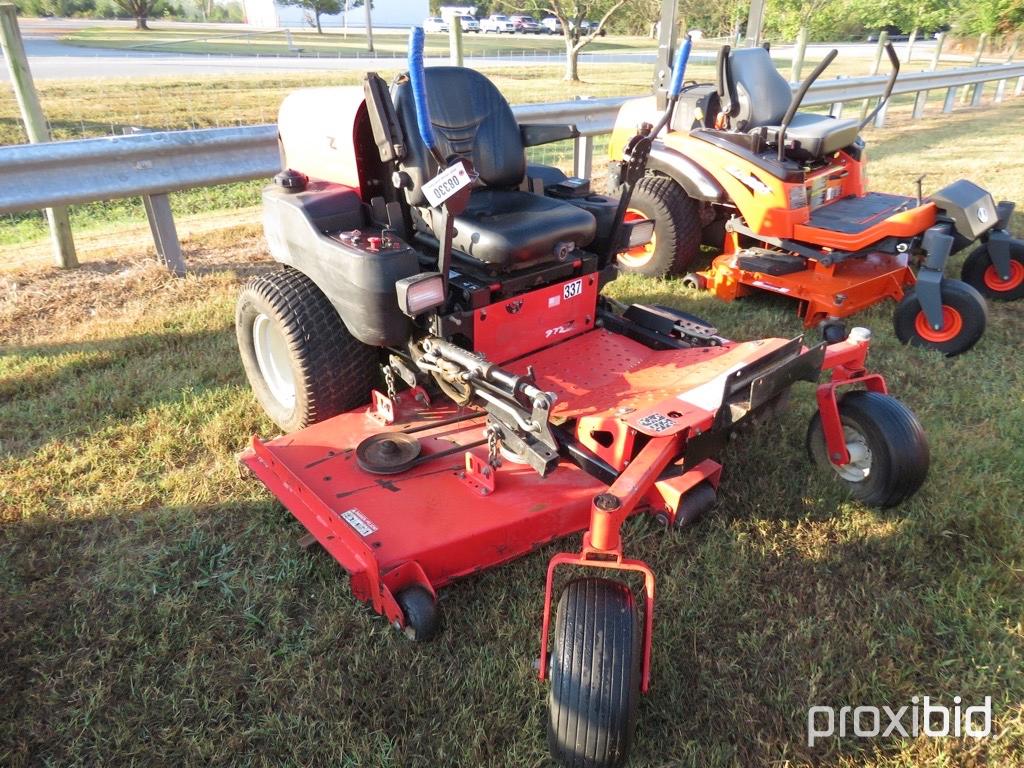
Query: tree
x,y
905,15
140,10
316,8
571,14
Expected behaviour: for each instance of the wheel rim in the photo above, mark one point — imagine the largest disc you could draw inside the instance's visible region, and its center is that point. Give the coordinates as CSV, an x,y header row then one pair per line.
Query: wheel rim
x,y
952,324
639,255
272,356
995,283
857,469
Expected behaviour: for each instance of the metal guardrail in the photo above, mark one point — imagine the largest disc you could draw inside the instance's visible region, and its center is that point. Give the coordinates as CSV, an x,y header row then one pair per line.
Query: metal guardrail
x,y
151,165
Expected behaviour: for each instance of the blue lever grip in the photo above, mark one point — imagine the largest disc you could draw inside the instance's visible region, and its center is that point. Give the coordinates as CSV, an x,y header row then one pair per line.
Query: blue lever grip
x,y
419,88
677,72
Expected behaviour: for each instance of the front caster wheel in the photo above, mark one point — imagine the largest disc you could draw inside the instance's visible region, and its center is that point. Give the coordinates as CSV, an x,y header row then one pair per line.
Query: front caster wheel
x,y
979,272
695,281
964,316
888,450
595,674
422,619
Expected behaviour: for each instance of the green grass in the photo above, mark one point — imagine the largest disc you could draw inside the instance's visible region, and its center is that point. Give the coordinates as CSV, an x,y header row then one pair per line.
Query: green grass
x,y
155,609
336,43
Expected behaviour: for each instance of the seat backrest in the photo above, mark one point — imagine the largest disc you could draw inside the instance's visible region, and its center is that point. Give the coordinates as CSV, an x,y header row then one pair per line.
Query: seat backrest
x,y
762,94
471,119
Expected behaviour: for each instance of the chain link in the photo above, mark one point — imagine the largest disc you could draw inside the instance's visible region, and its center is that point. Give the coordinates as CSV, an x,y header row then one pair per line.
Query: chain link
x,y
493,442
389,382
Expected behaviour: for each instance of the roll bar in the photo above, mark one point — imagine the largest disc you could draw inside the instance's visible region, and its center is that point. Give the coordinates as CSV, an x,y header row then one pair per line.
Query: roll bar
x,y
895,61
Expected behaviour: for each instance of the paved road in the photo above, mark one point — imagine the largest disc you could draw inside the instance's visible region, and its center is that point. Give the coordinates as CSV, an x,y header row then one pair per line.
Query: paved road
x,y
51,59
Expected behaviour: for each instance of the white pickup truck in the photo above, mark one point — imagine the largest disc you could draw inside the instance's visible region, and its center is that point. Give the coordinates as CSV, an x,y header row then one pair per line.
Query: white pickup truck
x,y
498,23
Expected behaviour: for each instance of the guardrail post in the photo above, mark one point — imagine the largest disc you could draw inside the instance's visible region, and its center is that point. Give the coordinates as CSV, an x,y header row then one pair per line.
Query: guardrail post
x,y
947,105
455,40
883,38
922,96
583,156
880,117
977,62
35,126
1001,87
800,48
582,151
165,234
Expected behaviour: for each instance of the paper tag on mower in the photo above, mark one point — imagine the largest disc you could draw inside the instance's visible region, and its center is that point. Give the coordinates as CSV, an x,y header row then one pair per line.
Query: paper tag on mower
x,y
446,184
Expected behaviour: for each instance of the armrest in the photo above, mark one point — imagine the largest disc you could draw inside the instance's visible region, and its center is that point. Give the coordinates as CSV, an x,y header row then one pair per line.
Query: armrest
x,y
535,134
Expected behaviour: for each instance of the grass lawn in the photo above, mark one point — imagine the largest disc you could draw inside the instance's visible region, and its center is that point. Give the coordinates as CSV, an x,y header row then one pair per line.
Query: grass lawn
x,y
155,608
337,43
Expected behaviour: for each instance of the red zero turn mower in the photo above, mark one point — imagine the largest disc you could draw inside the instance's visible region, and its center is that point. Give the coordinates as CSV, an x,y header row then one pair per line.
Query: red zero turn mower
x,y
518,406
784,195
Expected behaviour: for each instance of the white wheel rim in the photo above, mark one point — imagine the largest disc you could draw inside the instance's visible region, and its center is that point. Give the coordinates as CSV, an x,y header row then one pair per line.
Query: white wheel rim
x,y
859,466
272,357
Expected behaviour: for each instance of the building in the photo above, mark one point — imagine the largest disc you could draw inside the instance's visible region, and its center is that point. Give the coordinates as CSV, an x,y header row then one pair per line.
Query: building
x,y
272,14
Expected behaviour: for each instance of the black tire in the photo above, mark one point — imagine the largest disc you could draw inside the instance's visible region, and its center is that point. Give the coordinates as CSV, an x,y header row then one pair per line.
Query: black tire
x,y
898,449
696,503
695,281
677,229
322,364
976,274
965,316
422,618
595,674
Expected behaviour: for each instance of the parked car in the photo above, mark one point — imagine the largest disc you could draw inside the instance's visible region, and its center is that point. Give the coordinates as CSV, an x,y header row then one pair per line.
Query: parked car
x,y
435,24
551,26
526,24
469,24
588,27
498,23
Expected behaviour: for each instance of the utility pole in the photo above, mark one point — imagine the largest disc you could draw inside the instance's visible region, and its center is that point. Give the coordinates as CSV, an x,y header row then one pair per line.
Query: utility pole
x,y
35,125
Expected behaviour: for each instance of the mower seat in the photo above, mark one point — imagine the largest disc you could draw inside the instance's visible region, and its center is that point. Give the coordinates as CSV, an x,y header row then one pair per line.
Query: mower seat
x,y
761,97
503,226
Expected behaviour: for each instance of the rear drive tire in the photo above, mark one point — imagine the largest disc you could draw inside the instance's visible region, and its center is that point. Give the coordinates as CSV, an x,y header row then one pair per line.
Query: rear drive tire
x,y
677,229
889,454
979,272
964,315
301,361
595,674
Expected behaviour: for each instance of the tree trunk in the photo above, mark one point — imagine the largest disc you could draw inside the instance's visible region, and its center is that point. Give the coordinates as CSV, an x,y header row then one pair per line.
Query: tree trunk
x,y
572,55
316,15
910,44
140,23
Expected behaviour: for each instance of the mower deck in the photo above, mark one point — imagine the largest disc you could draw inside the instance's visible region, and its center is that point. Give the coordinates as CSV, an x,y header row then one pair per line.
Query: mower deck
x,y
836,290
428,525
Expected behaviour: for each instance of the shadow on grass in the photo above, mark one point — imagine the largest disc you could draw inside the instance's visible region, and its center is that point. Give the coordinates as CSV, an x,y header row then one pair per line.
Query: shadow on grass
x,y
203,634
72,390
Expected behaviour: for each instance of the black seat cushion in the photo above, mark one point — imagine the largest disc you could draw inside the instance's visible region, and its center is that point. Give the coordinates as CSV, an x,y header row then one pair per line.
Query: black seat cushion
x,y
502,226
820,135
509,228
471,119
762,94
